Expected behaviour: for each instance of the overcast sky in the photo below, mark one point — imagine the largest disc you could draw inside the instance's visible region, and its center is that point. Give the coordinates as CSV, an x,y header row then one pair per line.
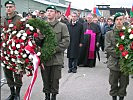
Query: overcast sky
x,y
90,3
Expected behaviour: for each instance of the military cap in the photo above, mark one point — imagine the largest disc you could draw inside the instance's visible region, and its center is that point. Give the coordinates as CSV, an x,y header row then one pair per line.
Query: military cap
x,y
42,11
51,7
10,2
118,14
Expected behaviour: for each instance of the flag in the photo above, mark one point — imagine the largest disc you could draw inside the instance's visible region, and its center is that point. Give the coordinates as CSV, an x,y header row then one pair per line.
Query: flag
x,y
96,11
131,11
68,10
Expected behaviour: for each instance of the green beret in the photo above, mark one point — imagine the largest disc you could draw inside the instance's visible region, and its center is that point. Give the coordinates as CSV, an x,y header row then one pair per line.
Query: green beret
x,y
10,2
118,14
51,7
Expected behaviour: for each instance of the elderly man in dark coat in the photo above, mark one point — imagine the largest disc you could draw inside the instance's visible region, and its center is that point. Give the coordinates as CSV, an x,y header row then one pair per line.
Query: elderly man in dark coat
x,y
76,35
87,55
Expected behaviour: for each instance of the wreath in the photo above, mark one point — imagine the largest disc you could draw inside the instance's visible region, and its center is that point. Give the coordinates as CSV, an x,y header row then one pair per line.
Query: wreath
x,y
124,47
48,45
19,40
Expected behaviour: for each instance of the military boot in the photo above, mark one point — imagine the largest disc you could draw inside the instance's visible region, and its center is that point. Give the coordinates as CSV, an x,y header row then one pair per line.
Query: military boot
x,y
11,97
47,96
114,97
121,98
53,97
17,96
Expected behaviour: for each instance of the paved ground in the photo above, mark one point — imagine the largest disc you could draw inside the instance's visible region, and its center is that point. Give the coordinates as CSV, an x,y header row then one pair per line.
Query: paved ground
x,y
86,84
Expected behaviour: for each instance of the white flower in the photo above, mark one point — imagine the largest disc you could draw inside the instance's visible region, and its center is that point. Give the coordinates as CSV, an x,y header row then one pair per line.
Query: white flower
x,y
3,44
7,67
131,36
13,60
19,34
14,32
123,28
16,52
2,34
27,25
11,52
23,19
31,28
11,25
23,37
28,52
13,44
8,30
7,42
18,45
129,30
30,43
6,58
39,53
131,26
10,48
30,57
4,52
24,55
21,31
123,37
2,65
126,56
25,34
18,61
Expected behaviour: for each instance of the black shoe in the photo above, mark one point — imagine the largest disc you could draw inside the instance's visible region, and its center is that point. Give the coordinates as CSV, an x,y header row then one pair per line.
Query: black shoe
x,y
74,70
121,98
69,71
17,97
114,97
47,96
53,97
12,96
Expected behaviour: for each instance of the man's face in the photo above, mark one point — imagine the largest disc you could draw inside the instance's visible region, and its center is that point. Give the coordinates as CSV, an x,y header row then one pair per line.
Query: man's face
x,y
74,17
10,8
89,18
51,13
109,22
119,21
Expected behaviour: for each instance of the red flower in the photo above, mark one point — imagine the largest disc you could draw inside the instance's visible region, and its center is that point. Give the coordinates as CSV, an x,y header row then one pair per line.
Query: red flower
x,y
20,50
16,40
30,74
22,27
28,32
14,48
121,47
131,31
19,56
121,34
26,60
10,42
8,52
131,46
124,53
35,35
14,27
14,65
30,67
22,46
21,40
14,37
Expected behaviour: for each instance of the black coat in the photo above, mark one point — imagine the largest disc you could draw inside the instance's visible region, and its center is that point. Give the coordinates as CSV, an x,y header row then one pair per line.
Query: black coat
x,y
76,37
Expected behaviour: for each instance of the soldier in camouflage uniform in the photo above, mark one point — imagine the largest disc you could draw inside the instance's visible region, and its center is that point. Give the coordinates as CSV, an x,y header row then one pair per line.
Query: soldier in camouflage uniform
x,y
52,68
13,79
117,79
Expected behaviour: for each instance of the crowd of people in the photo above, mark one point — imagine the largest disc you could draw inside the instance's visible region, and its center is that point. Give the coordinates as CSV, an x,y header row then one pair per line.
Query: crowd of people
x,y
83,38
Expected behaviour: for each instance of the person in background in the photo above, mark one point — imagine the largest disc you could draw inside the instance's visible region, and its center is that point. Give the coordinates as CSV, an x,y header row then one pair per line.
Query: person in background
x,y
75,30
42,14
81,20
118,80
14,80
52,71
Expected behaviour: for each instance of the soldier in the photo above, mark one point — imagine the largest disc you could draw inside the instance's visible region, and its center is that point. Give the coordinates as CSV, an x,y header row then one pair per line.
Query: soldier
x,y
13,79
117,79
52,68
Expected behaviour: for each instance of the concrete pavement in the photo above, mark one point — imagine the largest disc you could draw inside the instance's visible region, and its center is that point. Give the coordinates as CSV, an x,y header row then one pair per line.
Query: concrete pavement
x,y
86,84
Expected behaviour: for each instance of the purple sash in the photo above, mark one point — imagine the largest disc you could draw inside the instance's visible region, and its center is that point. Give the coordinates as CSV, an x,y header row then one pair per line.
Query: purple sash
x,y
92,43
